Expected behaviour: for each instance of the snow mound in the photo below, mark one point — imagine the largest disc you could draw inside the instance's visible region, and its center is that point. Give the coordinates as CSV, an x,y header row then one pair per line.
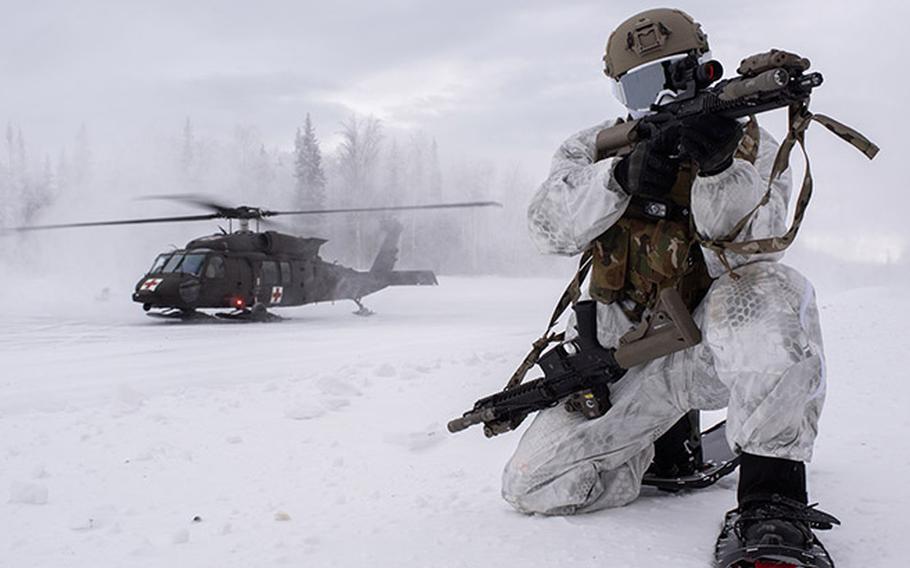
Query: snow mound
x,y
304,410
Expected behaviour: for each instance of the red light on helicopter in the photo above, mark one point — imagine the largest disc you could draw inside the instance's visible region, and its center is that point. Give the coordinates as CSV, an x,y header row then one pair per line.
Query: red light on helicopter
x,y
238,303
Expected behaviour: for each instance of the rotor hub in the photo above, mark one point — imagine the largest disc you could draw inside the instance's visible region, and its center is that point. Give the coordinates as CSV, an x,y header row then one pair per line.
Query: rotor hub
x,y
243,212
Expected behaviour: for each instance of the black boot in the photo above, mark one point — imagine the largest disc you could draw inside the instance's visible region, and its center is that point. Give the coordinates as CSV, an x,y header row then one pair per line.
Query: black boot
x,y
678,451
773,524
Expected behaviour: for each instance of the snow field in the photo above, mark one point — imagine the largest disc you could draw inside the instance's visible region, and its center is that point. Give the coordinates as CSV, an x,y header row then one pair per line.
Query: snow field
x,y
321,441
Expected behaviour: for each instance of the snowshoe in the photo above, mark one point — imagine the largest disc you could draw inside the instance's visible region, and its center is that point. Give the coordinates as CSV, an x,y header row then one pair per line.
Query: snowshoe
x,y
774,532
703,461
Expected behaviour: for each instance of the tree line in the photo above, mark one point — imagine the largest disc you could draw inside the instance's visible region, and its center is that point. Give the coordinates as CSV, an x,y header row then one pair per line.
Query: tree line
x,y
365,166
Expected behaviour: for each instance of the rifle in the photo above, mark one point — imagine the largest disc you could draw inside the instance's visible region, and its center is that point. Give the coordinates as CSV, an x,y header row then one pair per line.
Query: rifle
x,y
767,81
580,370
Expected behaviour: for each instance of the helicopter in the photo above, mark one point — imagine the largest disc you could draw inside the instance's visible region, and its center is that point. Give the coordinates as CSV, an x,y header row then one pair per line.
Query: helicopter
x,y
250,271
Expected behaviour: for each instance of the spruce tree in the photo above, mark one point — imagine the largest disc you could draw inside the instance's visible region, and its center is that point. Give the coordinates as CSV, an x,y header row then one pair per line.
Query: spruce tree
x,y
308,168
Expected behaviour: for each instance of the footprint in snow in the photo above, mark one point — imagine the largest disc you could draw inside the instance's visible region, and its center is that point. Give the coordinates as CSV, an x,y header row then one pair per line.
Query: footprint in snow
x,y
336,403
304,410
337,387
385,370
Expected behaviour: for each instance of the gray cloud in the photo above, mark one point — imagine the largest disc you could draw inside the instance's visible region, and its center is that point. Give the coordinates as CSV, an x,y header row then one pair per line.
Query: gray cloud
x,y
502,81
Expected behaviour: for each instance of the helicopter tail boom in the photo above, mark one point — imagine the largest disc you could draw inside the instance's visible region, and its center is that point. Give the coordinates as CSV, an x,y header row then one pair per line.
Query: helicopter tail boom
x,y
412,278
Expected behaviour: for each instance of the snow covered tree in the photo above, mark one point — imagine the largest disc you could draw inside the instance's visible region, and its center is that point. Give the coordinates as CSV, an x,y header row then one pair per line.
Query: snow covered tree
x,y
251,167
361,140
264,172
392,185
308,172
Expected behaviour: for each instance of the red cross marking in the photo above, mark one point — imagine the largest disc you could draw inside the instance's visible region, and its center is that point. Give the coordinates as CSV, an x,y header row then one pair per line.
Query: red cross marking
x,y
277,292
150,284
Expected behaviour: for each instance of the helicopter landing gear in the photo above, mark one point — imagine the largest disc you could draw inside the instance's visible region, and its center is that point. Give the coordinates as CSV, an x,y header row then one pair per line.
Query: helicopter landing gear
x,y
361,309
188,315
258,313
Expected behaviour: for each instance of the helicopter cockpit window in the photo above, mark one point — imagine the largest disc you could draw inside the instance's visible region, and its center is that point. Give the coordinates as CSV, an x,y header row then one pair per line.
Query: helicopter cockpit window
x,y
285,272
172,263
192,264
215,268
159,263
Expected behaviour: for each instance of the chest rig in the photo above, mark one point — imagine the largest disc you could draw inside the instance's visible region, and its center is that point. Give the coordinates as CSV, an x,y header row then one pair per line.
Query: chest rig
x,y
654,246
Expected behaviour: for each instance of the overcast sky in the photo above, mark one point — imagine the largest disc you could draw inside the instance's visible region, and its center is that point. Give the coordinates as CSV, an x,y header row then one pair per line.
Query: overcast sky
x,y
502,81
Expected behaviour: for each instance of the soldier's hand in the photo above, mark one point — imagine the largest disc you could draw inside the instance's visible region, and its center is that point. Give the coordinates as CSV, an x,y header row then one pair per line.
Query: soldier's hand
x,y
649,170
710,141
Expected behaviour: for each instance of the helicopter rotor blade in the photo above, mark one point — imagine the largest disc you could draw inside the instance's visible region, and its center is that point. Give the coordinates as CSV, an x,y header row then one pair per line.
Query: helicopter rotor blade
x,y
386,208
243,212
149,220
198,200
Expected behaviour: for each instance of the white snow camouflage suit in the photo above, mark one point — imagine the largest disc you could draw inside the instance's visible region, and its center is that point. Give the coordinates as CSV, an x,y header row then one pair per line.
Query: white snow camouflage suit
x,y
761,353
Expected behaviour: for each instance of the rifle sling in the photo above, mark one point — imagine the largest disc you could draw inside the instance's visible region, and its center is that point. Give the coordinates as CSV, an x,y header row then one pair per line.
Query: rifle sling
x,y
569,297
799,120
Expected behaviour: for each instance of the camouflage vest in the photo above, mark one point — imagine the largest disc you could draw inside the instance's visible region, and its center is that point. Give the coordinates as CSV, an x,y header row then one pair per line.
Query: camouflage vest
x,y
642,254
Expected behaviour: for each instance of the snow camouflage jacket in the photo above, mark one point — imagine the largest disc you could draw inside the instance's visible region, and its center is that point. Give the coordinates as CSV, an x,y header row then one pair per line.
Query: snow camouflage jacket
x,y
581,205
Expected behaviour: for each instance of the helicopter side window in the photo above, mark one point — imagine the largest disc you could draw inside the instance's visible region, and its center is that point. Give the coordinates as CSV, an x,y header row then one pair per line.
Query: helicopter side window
x,y
285,272
159,263
270,271
192,264
172,263
215,268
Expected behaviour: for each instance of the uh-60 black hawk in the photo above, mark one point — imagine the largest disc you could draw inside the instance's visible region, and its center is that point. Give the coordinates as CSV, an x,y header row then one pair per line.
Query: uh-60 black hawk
x,y
249,271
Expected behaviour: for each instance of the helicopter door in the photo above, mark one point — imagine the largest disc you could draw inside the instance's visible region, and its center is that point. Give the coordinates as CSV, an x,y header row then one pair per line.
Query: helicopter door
x,y
291,293
214,283
271,290
238,282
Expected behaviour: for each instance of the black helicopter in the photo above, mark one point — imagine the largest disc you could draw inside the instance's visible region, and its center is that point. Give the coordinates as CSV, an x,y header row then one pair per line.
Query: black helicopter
x,y
249,271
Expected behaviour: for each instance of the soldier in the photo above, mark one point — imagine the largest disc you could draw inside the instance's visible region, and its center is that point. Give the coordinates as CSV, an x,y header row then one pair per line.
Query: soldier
x,y
761,355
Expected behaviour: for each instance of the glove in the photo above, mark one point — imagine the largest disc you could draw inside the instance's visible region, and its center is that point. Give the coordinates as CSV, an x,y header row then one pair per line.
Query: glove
x,y
649,170
710,141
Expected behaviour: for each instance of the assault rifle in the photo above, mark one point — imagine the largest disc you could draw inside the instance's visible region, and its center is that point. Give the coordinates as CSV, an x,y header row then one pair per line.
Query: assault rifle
x,y
580,370
767,81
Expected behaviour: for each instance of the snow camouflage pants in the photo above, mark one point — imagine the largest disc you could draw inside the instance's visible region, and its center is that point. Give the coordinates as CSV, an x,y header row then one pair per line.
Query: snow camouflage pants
x,y
761,357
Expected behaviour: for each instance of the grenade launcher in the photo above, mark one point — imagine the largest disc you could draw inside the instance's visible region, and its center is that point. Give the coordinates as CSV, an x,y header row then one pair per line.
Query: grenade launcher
x,y
580,370
767,81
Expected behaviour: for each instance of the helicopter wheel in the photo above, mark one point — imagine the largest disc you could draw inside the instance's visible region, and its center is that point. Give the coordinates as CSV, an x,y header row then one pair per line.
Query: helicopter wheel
x,y
361,309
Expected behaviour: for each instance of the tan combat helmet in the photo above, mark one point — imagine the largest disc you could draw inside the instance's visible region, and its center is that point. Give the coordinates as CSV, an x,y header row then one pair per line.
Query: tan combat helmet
x,y
651,35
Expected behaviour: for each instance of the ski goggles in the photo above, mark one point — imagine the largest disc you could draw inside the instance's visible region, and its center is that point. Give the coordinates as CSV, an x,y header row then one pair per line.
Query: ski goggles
x,y
645,85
